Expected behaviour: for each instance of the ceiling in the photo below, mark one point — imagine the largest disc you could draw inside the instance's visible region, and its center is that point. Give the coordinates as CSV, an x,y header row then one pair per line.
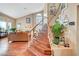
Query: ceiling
x,y
17,10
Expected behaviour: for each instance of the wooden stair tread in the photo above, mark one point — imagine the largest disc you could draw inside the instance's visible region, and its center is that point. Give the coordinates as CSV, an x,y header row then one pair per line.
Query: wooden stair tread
x,y
42,49
42,39
42,46
35,51
45,44
28,53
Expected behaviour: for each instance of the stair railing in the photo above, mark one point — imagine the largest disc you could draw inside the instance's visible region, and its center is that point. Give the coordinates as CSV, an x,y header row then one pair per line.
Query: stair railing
x,y
57,14
54,18
33,33
50,35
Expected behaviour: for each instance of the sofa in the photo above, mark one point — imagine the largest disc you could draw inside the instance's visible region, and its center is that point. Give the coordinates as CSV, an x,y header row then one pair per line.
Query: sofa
x,y
3,34
18,36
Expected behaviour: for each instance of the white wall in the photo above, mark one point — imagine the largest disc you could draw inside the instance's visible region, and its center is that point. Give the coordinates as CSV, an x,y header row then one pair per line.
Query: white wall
x,y
73,34
25,26
71,11
77,30
8,19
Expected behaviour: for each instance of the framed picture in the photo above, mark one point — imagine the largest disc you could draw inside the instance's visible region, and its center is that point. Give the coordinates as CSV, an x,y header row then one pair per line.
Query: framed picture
x,y
28,20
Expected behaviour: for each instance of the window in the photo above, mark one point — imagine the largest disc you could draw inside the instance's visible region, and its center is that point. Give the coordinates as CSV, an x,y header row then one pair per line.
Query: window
x,y
3,25
9,25
18,26
39,18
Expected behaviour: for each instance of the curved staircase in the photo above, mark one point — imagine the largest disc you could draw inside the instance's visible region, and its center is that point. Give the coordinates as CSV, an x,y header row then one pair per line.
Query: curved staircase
x,y
40,45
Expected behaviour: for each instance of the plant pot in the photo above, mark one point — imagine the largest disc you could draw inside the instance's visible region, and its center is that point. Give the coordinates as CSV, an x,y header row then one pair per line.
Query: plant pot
x,y
61,43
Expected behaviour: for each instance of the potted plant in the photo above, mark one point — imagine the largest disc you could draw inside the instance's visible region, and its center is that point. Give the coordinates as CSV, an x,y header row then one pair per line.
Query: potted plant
x,y
57,31
13,29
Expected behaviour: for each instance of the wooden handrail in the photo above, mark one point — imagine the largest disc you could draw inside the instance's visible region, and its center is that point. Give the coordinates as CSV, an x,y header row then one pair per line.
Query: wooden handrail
x,y
57,13
50,35
35,26
32,33
54,18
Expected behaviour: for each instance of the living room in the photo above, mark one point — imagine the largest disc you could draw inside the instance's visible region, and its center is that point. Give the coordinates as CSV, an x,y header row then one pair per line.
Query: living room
x,y
42,30
17,28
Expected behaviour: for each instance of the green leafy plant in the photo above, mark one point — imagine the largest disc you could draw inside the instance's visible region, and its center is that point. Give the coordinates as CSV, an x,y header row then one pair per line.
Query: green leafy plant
x,y
13,29
57,31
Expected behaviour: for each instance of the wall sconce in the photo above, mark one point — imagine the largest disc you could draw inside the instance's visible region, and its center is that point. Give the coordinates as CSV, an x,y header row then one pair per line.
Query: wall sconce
x,y
72,23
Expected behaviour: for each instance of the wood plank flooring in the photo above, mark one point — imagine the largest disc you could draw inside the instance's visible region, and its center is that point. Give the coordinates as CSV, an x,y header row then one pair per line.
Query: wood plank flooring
x,y
17,49
39,47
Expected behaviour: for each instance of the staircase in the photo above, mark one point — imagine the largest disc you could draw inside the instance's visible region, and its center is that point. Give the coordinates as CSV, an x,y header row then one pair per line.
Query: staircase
x,y
40,45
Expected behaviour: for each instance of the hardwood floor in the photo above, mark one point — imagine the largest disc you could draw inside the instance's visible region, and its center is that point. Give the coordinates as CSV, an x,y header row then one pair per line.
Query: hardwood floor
x,y
40,46
20,48
3,46
17,49
13,49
